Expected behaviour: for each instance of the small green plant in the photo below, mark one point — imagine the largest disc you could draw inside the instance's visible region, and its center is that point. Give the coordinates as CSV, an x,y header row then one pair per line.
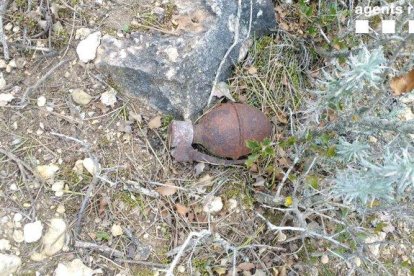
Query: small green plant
x,y
259,151
102,236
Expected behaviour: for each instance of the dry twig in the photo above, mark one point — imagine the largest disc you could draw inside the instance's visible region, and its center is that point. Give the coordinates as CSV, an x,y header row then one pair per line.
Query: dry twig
x,y
101,248
3,7
30,89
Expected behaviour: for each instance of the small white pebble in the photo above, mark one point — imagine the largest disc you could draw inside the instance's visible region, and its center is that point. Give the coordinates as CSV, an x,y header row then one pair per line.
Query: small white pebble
x,y
4,245
17,217
8,26
33,231
41,101
116,230
232,203
213,205
357,261
16,29
60,209
13,187
324,259
281,237
18,236
12,63
181,269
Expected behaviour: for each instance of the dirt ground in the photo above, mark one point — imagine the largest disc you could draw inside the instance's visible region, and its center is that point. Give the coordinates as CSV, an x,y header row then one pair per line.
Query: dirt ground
x,y
132,217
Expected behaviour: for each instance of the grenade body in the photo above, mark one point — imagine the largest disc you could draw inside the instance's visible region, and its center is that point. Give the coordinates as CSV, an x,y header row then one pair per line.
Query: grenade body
x,y
224,130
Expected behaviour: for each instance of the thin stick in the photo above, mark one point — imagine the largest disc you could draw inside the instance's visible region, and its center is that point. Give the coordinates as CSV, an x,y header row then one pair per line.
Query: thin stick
x,y
144,263
285,177
29,90
101,248
95,179
199,235
273,227
3,6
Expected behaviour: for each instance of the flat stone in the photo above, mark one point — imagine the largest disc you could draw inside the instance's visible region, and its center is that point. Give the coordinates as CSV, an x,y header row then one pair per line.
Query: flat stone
x,y
9,264
54,239
33,231
174,71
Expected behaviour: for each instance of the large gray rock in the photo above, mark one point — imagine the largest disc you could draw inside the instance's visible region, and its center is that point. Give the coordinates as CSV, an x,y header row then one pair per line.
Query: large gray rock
x,y
175,72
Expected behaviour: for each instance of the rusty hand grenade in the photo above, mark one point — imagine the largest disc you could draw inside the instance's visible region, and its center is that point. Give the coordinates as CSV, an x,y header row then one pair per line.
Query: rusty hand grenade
x,y
223,132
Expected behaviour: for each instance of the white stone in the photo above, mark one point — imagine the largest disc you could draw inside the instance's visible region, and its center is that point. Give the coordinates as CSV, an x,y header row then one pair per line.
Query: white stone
x,y
5,98
75,267
8,26
60,209
81,97
108,98
232,204
357,261
17,217
213,205
116,230
18,236
47,171
90,165
12,63
3,64
57,187
86,49
54,239
13,187
4,245
16,29
181,268
324,259
78,168
41,101
3,82
33,231
281,237
9,264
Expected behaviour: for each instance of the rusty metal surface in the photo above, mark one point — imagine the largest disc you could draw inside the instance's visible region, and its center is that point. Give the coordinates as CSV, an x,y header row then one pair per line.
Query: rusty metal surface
x,y
225,130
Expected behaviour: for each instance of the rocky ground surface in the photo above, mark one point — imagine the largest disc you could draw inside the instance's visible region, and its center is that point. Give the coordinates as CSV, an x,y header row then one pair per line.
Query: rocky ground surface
x,y
87,184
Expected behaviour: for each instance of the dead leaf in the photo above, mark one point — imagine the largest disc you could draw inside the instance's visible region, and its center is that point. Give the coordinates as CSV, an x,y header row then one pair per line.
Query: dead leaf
x,y
168,190
181,209
102,205
155,122
206,180
135,117
252,70
220,271
260,182
221,89
282,118
199,168
402,84
284,26
246,266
